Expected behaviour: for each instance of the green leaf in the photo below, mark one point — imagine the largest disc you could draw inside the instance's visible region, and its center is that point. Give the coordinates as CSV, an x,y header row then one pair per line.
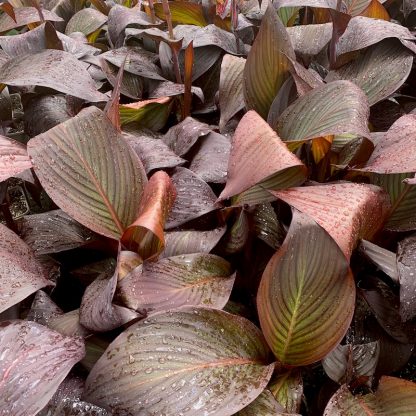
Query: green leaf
x,y
86,21
267,66
264,405
90,172
335,108
170,362
298,315
287,388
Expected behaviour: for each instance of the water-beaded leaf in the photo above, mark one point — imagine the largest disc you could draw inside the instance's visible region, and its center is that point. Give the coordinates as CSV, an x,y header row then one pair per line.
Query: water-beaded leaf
x,y
13,158
34,360
189,361
306,296
90,172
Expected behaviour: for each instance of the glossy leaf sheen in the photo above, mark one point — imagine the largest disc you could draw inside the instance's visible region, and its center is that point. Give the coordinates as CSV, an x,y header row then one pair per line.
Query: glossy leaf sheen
x,y
184,352
32,352
90,172
298,315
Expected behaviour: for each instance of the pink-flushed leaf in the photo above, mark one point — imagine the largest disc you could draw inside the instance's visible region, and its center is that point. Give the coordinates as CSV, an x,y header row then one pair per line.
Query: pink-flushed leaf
x,y
393,151
287,388
211,160
20,272
347,211
90,172
191,241
406,267
321,113
253,143
97,311
25,16
231,95
264,405
43,309
394,397
152,150
267,65
186,280
39,356
323,4
52,232
194,198
54,69
348,362
298,315
186,352
145,235
389,64
13,158
120,17
181,137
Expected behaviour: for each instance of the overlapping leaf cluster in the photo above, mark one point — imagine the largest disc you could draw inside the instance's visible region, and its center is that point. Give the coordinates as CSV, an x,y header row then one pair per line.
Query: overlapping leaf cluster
x,y
207,208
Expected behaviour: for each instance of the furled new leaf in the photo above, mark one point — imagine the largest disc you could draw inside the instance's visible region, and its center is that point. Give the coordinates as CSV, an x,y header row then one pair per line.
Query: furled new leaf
x,y
298,315
186,352
267,65
39,356
90,172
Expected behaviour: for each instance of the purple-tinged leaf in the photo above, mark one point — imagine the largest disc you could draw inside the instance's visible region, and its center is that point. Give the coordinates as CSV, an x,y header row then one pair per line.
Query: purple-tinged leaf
x,y
25,16
181,137
194,198
253,142
54,69
264,405
211,159
20,272
191,241
267,65
185,280
146,234
76,407
68,324
52,232
106,177
347,211
298,315
267,226
231,95
237,234
287,388
394,397
13,158
43,309
322,4
37,355
186,351
406,267
348,362
86,21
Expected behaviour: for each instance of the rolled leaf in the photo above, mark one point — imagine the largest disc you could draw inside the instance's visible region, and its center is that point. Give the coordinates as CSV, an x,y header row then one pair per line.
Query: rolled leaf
x,y
185,351
253,141
267,65
347,211
32,352
13,158
98,181
320,112
185,280
145,235
20,272
43,309
298,316
54,69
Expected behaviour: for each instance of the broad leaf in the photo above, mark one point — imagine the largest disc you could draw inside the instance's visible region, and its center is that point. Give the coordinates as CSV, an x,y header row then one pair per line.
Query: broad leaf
x,y
54,69
347,211
253,141
43,309
175,350
264,405
13,158
185,280
298,315
68,324
287,388
380,71
98,181
86,21
37,355
267,65
320,113
394,397
20,272
145,235
231,95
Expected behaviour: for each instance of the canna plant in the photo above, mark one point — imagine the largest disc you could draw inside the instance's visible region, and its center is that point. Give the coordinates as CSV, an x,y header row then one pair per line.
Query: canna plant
x,y
207,208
